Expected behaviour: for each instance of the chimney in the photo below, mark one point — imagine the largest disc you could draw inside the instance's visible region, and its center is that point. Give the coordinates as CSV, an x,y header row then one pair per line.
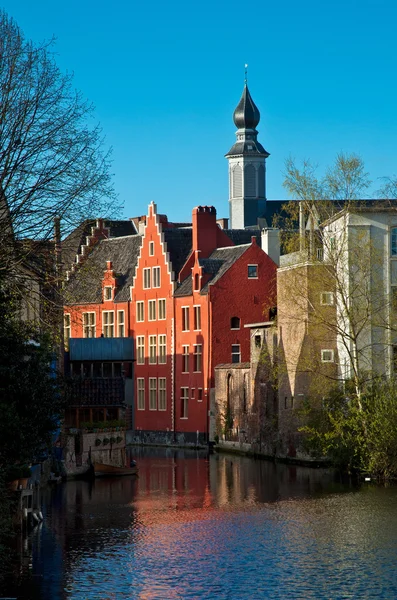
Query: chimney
x,y
271,243
204,230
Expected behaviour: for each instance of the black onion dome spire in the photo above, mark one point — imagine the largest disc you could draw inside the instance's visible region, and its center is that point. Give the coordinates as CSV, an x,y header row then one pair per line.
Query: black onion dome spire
x,y
246,115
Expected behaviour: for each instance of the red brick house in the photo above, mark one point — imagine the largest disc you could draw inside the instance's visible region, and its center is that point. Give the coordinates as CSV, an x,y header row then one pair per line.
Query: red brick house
x,y
184,293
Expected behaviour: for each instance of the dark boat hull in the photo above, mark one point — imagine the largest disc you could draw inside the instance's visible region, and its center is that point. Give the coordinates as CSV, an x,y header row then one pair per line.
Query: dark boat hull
x,y
102,470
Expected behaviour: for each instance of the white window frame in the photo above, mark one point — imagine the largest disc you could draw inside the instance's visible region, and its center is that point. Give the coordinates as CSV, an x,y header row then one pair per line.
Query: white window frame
x,y
121,324
236,353
109,325
324,354
151,248
162,351
192,393
327,298
152,349
185,318
185,358
140,349
146,278
151,310
67,329
162,393
197,358
256,271
184,402
140,311
156,277
197,317
161,309
106,290
152,393
89,327
140,393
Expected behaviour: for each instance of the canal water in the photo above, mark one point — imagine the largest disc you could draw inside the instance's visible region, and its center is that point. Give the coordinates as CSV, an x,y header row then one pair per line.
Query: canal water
x,y
218,527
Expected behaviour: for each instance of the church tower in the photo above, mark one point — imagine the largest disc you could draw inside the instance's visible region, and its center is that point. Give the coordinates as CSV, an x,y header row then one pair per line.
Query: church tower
x,y
247,167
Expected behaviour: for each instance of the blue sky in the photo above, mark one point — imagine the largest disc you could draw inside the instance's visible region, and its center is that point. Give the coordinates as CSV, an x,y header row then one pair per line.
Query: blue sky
x,y
165,78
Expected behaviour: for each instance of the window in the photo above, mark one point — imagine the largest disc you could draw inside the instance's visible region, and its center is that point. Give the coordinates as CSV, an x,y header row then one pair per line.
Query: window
x,y
152,393
107,370
185,318
197,318
258,341
327,298
107,292
200,395
140,350
140,382
162,393
184,402
162,349
67,330
108,323
140,311
236,356
161,308
235,323
89,325
152,349
151,248
198,355
252,271
196,282
185,359
146,279
327,356
156,277
192,393
120,323
394,241
285,401
152,310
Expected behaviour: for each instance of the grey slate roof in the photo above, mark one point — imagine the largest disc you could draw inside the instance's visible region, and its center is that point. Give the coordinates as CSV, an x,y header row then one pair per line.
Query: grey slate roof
x,y
85,285
215,265
179,246
248,148
71,245
246,114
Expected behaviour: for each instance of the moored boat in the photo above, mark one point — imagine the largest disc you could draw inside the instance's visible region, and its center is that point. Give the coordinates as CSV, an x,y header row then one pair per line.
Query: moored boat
x,y
103,470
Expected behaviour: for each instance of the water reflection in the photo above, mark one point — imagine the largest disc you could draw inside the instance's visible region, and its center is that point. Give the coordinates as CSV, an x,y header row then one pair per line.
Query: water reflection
x,y
193,526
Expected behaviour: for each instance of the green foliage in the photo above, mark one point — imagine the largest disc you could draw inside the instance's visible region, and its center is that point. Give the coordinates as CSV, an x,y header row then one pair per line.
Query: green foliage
x,y
357,435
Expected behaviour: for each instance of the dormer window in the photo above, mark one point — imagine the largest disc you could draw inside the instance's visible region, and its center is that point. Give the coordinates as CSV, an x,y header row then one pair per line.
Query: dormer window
x,y
107,292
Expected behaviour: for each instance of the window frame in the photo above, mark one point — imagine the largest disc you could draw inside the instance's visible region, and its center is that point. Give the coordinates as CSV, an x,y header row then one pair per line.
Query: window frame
x,y
152,393
156,277
236,353
152,349
331,360
151,248
122,323
161,303
199,394
185,318
197,317
162,393
249,271
323,297
152,310
140,311
140,349
140,393
67,329
89,326
231,324
106,289
184,403
197,358
146,278
162,349
393,242
108,325
185,358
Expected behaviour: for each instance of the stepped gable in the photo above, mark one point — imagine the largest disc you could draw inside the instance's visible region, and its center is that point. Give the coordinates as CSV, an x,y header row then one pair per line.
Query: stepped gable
x,y
85,285
73,243
215,265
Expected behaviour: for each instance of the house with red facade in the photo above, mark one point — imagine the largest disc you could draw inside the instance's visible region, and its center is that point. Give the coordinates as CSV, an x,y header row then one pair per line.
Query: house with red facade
x,y
183,292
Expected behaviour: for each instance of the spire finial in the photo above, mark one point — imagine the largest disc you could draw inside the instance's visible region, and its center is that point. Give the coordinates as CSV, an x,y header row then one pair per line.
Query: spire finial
x,y
246,73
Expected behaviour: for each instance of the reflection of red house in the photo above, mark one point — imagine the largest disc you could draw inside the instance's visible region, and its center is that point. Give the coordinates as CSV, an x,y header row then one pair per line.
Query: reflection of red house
x,y
184,294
